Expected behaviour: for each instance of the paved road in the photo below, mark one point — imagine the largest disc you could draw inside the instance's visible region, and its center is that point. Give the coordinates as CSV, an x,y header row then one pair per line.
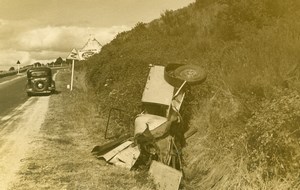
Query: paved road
x,y
20,120
12,94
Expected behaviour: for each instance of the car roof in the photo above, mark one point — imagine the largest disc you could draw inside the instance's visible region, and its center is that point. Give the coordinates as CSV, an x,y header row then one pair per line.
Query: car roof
x,y
39,69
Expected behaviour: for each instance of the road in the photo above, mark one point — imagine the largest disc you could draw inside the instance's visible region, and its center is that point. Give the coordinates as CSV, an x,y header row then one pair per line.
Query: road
x,y
12,94
20,120
18,130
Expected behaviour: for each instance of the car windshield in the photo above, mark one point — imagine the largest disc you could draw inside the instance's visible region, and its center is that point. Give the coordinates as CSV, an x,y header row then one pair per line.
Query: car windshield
x,y
155,109
39,74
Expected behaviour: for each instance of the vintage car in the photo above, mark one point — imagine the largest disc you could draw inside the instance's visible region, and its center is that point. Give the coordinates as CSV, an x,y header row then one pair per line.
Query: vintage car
x,y
40,81
158,131
161,119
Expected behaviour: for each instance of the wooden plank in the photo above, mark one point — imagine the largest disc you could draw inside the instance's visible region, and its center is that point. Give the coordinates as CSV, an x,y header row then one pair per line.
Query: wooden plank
x,y
127,157
109,155
165,177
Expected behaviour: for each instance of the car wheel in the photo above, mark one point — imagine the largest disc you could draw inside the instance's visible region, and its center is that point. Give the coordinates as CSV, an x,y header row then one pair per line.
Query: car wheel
x,y
169,74
193,74
176,74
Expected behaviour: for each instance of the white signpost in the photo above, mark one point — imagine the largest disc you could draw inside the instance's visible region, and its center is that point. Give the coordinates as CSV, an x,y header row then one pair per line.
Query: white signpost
x,y
73,56
18,63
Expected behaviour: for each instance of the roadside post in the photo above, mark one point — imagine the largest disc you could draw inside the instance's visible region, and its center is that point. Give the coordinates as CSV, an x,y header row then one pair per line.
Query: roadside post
x,y
73,56
72,75
18,64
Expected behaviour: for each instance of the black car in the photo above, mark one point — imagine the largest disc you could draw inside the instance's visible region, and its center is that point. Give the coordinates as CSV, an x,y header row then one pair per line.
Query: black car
x,y
40,81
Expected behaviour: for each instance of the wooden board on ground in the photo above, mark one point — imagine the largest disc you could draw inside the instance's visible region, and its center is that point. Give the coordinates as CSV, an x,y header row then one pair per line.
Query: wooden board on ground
x,y
165,177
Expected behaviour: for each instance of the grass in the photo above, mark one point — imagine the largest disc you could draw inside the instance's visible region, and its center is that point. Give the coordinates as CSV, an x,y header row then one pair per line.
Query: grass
x,y
260,152
62,158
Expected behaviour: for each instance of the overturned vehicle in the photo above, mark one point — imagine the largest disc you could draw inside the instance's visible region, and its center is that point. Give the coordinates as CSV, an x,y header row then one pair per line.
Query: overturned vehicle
x,y
159,133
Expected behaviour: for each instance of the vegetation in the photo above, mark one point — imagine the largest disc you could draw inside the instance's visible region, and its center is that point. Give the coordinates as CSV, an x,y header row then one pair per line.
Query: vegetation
x,y
11,72
11,69
247,112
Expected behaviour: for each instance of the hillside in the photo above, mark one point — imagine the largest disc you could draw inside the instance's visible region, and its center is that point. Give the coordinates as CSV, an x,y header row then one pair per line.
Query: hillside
x,y
248,110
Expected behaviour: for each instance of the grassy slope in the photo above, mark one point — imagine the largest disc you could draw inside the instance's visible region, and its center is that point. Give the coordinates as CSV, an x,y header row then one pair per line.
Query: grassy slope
x,y
247,111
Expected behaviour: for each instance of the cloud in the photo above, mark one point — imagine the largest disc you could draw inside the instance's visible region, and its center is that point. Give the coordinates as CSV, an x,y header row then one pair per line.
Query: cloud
x,y
25,42
10,57
64,38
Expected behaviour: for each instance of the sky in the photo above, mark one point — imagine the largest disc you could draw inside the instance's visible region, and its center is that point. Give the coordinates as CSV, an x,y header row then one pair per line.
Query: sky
x,y
43,30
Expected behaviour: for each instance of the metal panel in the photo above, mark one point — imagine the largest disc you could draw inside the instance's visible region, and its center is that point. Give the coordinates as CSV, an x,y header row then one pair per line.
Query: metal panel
x,y
109,155
157,90
127,157
177,101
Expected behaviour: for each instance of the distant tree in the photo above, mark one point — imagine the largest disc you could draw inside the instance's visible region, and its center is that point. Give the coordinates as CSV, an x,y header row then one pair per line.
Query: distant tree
x,y
11,69
37,64
58,61
50,64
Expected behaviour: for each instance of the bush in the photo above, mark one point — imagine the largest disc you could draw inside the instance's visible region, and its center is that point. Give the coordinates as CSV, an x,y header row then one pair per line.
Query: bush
x,y
273,136
242,18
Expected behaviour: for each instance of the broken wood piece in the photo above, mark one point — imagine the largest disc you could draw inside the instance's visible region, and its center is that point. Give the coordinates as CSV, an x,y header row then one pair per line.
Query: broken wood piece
x,y
109,155
190,133
165,177
127,157
99,150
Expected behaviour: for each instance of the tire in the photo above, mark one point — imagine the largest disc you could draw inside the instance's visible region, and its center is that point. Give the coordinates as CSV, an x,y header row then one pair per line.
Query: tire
x,y
170,76
193,74
175,74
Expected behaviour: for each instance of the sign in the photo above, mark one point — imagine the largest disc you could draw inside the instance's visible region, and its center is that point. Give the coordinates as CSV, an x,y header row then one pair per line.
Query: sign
x,y
18,63
73,55
84,55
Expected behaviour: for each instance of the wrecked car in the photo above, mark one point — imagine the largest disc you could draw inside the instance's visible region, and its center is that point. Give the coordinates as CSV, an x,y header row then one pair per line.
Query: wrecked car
x,y
159,134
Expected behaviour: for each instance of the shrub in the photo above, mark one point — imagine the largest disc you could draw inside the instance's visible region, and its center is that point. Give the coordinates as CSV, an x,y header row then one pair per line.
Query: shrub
x,y
273,136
